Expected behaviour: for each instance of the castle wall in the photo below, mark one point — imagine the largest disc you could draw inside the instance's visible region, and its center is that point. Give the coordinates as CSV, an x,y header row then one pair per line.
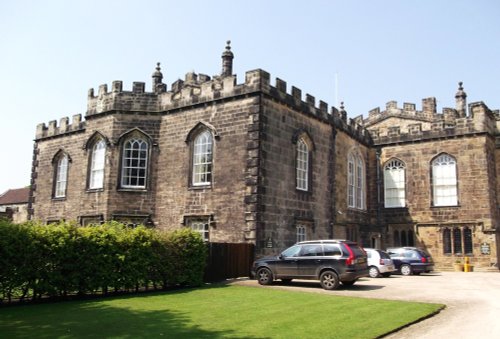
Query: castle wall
x,y
284,206
357,220
224,200
475,209
253,196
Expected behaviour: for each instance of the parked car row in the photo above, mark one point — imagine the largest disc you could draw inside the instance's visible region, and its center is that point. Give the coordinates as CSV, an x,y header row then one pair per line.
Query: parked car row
x,y
335,262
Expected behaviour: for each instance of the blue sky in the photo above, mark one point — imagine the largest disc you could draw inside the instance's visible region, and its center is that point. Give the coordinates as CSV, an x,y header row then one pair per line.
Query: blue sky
x,y
52,52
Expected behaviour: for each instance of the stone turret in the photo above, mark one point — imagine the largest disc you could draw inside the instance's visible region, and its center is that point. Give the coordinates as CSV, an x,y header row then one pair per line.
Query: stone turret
x,y
461,102
158,86
227,61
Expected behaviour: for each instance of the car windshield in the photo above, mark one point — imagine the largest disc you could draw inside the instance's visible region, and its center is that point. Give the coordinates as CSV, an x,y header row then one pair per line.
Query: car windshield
x,y
291,252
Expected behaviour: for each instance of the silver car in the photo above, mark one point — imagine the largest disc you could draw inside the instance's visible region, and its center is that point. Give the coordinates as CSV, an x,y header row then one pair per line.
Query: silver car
x,y
379,263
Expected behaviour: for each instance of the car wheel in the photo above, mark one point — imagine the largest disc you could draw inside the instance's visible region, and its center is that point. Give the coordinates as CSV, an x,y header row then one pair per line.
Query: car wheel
x,y
286,281
349,283
386,275
329,280
264,276
406,270
373,272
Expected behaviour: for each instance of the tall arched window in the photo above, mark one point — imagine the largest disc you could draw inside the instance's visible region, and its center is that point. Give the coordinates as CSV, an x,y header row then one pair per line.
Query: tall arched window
x,y
61,176
202,159
394,184
96,180
355,181
134,163
302,165
444,181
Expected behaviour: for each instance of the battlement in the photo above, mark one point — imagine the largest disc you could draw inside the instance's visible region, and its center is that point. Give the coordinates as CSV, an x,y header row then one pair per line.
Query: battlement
x,y
198,89
396,124
64,127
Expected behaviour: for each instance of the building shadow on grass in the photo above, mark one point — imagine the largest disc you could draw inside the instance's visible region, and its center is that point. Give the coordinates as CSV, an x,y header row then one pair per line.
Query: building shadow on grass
x,y
104,318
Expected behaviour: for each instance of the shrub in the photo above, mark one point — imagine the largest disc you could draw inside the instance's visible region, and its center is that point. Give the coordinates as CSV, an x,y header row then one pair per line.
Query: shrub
x,y
63,259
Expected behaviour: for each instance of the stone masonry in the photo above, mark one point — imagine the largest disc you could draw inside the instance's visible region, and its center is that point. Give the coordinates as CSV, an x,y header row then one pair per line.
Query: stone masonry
x,y
252,195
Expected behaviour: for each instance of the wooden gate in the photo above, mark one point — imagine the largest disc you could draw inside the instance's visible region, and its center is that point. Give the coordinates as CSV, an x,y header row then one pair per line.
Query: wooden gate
x,y
227,261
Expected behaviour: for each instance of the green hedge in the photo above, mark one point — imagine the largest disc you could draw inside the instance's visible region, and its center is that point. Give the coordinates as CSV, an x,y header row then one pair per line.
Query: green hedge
x,y
64,259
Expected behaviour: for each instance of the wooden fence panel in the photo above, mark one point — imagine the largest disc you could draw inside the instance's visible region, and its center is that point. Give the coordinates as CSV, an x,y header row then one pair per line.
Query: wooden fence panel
x,y
228,261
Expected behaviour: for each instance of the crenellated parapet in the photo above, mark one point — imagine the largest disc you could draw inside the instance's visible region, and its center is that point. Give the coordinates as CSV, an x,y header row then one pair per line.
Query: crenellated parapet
x,y
64,127
197,89
401,124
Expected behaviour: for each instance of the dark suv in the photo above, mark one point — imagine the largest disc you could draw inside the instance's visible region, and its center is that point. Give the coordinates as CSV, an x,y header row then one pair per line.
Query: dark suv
x,y
329,261
411,260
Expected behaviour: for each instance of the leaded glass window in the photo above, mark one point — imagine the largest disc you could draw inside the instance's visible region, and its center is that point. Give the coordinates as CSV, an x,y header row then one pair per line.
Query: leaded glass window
x,y
302,165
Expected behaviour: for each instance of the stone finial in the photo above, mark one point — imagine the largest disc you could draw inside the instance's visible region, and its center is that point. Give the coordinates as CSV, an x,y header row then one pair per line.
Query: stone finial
x,y
227,61
157,76
343,113
461,100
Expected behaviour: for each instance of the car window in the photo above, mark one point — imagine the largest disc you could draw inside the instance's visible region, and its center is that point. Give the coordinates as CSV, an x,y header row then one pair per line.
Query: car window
x,y
423,253
291,252
384,255
311,250
332,249
358,251
369,254
411,254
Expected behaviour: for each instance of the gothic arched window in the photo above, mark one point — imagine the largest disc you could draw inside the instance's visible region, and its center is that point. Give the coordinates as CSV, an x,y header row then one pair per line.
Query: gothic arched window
x,y
444,181
134,163
394,184
96,177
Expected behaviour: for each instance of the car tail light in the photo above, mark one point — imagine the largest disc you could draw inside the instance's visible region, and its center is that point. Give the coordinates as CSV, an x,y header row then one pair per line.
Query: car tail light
x,y
350,260
423,260
382,262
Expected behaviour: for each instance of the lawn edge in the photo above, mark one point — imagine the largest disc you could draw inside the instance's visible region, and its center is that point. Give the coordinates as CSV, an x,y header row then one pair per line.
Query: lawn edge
x,y
428,316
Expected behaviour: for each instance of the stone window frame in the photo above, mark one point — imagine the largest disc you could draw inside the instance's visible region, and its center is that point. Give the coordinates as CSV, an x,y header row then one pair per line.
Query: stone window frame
x,y
457,240
301,232
304,229
91,220
443,159
90,146
59,183
135,134
356,180
395,165
201,128
403,236
200,223
133,219
304,149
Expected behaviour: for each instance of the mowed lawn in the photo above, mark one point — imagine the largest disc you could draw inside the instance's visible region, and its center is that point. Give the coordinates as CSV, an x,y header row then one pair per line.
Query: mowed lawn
x,y
220,311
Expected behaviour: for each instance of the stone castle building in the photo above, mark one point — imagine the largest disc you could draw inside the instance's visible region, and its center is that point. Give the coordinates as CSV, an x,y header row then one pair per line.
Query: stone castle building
x,y
258,162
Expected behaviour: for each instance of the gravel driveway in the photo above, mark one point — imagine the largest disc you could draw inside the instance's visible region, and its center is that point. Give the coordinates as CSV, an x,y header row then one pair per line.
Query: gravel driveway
x,y
472,301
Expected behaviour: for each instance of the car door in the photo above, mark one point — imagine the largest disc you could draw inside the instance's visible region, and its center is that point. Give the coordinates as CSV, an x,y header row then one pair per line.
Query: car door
x,y
396,256
286,264
310,258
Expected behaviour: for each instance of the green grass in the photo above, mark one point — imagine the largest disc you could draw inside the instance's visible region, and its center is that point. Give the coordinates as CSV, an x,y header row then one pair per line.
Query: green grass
x,y
219,311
